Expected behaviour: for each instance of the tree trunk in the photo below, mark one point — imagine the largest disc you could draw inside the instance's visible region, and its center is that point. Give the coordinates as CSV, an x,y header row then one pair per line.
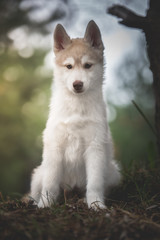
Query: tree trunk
x,y
151,27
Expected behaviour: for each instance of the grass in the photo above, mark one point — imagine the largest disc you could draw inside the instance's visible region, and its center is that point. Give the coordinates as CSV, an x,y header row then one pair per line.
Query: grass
x,y
133,213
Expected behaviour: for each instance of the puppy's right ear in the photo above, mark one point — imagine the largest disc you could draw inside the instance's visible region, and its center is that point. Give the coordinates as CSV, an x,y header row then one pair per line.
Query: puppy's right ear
x,y
61,38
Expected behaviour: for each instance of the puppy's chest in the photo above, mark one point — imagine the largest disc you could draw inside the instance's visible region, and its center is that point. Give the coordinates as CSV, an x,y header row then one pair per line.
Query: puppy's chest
x,y
74,135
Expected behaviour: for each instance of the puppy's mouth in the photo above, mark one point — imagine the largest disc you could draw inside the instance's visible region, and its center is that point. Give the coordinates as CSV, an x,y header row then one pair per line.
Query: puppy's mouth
x,y
78,90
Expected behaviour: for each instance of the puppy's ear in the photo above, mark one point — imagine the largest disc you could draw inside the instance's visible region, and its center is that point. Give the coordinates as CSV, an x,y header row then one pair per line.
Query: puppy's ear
x,y
61,38
93,35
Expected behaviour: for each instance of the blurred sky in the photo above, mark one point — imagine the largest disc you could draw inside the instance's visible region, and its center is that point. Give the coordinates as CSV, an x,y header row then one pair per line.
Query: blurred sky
x,y
119,40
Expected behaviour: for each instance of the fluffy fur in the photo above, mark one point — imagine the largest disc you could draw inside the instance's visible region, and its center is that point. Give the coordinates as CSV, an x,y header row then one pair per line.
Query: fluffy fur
x,y
77,142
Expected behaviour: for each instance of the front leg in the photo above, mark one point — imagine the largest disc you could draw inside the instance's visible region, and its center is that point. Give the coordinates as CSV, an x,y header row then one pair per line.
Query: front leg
x,y
52,176
95,169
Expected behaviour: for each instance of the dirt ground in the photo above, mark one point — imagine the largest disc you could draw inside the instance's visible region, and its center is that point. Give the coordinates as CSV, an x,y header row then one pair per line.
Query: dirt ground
x,y
133,213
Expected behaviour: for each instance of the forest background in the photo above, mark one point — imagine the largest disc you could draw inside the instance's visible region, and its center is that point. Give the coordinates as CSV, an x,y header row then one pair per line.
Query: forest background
x,y
26,76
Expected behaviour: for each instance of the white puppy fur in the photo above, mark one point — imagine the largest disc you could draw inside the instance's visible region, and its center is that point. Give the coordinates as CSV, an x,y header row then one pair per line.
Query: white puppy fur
x,y
78,147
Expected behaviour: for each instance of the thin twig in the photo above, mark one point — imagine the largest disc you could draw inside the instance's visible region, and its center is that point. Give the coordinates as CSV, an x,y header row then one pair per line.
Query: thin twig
x,y
145,118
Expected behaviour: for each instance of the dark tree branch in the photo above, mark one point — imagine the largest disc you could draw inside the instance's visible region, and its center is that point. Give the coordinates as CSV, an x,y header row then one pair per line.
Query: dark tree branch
x,y
150,25
129,18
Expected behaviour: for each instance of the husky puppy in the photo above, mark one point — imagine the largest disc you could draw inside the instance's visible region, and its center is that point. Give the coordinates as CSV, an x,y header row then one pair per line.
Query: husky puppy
x,y
77,143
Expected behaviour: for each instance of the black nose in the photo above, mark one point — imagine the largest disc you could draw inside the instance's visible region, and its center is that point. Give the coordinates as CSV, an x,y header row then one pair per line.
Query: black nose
x,y
78,85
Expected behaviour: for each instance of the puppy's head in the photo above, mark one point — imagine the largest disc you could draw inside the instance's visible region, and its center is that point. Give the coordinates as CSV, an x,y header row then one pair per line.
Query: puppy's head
x,y
79,62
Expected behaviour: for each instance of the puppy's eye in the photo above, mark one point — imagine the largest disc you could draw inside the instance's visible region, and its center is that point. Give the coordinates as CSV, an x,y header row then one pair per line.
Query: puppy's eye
x,y
69,66
87,65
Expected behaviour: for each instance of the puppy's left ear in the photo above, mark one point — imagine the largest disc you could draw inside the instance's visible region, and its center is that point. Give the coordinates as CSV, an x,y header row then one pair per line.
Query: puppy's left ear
x,y
93,35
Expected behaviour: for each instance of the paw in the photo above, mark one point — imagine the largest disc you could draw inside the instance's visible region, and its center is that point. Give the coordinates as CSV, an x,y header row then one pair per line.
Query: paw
x,y
95,200
43,203
97,205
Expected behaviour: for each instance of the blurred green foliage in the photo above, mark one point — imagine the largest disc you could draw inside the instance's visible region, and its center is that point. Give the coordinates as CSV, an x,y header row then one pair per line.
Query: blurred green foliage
x,y
134,141
24,98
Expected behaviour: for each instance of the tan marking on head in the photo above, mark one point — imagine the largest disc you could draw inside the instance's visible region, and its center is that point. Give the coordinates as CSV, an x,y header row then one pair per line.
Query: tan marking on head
x,y
87,59
77,50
